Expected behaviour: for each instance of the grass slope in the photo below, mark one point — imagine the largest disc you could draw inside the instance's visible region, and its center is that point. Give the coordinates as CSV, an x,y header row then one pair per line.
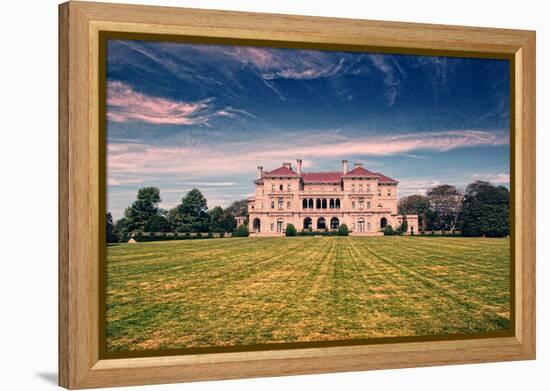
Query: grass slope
x,y
243,291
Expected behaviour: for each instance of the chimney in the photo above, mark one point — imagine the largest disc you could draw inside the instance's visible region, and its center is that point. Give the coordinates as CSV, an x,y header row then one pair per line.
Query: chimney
x,y
299,166
358,165
287,165
260,172
345,166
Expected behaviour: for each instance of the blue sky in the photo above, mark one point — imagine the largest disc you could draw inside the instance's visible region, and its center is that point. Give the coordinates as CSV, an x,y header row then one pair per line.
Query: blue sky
x,y
181,116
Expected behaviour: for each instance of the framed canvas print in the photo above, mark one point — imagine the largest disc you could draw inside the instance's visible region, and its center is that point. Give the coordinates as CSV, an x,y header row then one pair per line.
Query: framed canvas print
x,y
248,195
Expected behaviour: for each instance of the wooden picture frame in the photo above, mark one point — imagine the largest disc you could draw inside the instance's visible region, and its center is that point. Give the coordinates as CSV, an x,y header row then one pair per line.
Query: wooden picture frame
x,y
80,165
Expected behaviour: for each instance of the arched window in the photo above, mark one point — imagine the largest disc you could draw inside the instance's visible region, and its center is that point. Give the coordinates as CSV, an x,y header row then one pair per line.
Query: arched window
x,y
331,203
383,222
318,203
308,224
304,204
280,225
337,203
321,223
361,225
324,203
310,203
256,225
334,223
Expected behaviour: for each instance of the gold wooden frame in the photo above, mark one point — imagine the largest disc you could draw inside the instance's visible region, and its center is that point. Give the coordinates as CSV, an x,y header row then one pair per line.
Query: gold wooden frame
x,y
80,167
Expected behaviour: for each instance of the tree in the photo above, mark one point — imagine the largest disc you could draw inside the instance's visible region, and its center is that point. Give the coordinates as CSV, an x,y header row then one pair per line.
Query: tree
x,y
415,204
241,231
122,229
239,208
191,215
445,203
343,230
157,223
486,210
389,230
216,219
290,230
404,225
111,237
143,209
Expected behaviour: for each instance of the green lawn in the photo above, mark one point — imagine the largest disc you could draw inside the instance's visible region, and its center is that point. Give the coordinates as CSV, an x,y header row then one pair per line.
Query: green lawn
x,y
243,291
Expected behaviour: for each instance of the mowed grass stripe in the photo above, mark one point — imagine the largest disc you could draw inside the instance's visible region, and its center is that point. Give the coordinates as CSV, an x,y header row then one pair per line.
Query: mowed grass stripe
x,y
245,291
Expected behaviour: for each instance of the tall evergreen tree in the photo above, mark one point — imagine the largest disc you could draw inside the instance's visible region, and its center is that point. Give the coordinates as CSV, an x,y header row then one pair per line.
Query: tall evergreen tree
x,y
143,209
191,215
111,237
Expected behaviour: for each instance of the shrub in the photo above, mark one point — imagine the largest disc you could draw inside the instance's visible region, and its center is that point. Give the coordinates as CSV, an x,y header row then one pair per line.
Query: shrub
x,y
198,235
241,231
290,230
404,226
343,230
389,230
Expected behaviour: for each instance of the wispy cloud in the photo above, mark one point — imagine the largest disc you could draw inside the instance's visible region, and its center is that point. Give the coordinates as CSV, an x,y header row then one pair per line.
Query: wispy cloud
x,y
238,158
125,104
399,144
497,178
391,78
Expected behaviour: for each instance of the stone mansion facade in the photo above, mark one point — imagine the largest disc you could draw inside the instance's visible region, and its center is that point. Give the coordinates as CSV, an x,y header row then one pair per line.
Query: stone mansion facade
x,y
363,200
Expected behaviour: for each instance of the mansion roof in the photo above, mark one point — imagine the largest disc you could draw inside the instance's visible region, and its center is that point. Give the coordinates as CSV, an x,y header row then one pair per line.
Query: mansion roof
x,y
328,177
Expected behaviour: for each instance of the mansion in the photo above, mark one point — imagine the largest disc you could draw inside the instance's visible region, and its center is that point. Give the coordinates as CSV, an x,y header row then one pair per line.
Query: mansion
x,y
363,200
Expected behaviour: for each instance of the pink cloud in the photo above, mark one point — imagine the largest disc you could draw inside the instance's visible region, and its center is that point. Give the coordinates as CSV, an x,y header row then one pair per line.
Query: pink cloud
x,y
379,146
125,104
124,160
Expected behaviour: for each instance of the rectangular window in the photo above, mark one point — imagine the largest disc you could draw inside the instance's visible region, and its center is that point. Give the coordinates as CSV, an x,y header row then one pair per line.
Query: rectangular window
x,y
272,204
273,187
368,204
352,204
272,226
288,204
281,187
368,187
361,204
379,193
280,203
368,226
288,187
353,187
360,187
389,193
